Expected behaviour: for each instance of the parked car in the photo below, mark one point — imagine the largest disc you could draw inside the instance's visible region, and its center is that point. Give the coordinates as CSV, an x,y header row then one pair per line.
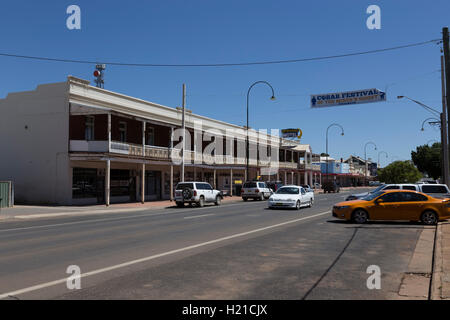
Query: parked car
x,y
307,188
374,183
291,197
434,190
394,205
255,190
330,186
317,185
196,192
401,186
274,185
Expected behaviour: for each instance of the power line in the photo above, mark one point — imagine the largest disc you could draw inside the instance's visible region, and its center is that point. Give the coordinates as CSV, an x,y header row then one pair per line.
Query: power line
x,y
216,64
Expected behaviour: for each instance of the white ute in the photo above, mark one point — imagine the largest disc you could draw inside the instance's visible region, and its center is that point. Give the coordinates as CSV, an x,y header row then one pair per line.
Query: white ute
x,y
291,197
196,192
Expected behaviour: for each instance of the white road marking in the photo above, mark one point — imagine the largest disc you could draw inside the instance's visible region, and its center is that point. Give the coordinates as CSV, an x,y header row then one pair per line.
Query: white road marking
x,y
203,215
145,259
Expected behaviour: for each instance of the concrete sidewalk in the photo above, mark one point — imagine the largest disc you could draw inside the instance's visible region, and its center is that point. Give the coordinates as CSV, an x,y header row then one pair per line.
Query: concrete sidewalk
x,y
34,212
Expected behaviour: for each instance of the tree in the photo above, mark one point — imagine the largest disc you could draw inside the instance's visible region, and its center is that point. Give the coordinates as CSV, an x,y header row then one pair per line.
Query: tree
x,y
399,172
428,159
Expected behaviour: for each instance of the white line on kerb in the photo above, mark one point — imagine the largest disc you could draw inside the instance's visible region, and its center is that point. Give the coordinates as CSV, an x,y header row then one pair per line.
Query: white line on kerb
x,y
129,263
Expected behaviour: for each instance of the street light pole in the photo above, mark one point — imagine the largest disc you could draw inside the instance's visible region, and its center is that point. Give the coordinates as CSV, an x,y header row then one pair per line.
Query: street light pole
x,y
443,124
247,142
379,156
326,148
365,159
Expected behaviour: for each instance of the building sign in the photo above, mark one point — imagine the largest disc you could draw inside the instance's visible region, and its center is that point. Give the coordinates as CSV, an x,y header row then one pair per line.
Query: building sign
x,y
345,98
291,133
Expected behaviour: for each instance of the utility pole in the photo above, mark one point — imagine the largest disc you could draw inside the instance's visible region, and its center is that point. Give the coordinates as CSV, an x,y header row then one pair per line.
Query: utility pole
x,y
183,125
444,137
447,82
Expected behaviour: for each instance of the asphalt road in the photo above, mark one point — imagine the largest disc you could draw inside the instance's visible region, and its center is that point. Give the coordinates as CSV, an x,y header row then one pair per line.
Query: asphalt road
x,y
235,251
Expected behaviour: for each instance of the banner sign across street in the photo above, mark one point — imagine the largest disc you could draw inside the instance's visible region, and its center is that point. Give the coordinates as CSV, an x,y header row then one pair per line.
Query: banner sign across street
x,y
345,98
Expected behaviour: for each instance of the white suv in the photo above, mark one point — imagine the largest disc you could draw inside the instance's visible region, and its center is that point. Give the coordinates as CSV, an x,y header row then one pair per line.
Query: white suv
x,y
256,190
196,192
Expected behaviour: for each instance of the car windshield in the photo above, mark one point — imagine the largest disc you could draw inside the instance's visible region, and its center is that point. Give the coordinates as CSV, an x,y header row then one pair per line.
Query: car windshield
x,y
372,196
377,189
288,190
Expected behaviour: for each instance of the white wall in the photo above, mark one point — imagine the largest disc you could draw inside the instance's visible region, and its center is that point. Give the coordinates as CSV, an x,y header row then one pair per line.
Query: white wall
x,y
34,129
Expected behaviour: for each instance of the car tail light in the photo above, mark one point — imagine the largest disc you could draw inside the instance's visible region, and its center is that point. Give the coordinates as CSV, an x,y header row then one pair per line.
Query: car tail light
x,y
195,193
242,191
257,190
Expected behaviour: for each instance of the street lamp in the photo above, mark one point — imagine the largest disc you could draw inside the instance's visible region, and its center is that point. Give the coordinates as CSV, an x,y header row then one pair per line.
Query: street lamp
x,y
365,159
436,121
379,156
342,133
247,143
444,142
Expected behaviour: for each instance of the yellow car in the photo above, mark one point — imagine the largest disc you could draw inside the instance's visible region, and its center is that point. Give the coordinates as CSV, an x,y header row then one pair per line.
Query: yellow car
x,y
394,205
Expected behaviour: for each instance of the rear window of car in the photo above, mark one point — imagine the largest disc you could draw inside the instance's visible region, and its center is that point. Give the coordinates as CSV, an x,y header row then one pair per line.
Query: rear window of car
x,y
182,186
410,188
250,185
434,189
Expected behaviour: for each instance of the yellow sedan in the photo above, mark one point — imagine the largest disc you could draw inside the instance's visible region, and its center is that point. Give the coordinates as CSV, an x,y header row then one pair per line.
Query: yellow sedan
x,y
394,205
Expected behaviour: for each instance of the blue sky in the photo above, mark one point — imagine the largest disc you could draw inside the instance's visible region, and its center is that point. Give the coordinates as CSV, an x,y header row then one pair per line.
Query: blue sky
x,y
206,31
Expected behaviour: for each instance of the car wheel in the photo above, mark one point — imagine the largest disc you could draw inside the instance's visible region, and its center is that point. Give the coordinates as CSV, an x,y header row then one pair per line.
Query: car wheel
x,y
360,216
218,200
429,218
180,204
298,205
310,203
201,202
187,193
245,199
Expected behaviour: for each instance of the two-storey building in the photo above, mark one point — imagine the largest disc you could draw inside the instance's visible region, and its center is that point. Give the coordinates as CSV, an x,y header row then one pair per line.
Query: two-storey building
x,y
71,143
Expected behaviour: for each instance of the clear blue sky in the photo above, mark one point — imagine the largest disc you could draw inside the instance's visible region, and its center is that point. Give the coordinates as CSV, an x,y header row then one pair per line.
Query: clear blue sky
x,y
196,32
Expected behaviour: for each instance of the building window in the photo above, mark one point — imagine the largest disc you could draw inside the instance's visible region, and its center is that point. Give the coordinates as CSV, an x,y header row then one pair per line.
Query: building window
x,y
89,128
150,136
122,131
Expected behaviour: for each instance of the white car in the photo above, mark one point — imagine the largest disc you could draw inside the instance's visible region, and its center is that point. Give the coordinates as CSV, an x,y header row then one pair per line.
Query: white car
x,y
255,190
196,192
291,197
